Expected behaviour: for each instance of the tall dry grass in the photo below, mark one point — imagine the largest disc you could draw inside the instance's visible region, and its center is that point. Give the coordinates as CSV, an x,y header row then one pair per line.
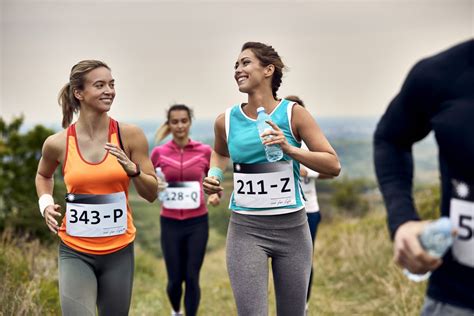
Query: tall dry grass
x,y
354,272
28,272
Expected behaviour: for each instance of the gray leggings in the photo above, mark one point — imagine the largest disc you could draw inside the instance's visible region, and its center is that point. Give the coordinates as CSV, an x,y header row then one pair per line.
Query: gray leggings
x,y
251,241
87,281
433,307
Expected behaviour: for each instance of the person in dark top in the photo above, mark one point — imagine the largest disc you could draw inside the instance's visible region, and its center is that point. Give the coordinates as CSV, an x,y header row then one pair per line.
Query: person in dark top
x,y
438,95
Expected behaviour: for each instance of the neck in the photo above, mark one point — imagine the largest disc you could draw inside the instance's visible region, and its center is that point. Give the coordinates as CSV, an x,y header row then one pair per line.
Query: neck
x,y
258,99
91,124
181,142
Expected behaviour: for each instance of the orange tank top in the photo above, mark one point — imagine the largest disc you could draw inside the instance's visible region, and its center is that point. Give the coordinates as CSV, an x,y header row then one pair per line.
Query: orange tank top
x,y
104,177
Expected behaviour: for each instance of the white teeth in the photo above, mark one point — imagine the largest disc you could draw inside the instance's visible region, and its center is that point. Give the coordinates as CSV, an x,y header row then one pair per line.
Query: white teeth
x,y
241,79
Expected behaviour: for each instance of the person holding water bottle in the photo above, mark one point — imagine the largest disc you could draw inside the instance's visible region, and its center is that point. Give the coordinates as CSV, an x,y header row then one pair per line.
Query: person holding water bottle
x,y
268,220
438,96
99,158
182,163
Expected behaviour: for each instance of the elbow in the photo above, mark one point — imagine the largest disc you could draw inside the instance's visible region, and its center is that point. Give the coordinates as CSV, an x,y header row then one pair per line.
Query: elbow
x,y
151,197
336,169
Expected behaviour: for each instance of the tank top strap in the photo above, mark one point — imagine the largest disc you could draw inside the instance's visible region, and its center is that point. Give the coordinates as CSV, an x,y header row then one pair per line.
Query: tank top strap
x,y
114,128
71,130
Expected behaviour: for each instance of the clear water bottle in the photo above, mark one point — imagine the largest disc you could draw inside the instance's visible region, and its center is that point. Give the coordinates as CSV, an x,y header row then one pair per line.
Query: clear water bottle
x,y
436,239
161,176
272,152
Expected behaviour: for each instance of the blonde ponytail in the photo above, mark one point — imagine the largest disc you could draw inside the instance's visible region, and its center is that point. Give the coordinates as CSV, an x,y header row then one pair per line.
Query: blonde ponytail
x,y
68,103
162,132
164,129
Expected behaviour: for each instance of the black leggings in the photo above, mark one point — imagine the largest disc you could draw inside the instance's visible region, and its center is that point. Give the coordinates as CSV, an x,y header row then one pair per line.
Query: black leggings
x,y
313,222
87,281
184,245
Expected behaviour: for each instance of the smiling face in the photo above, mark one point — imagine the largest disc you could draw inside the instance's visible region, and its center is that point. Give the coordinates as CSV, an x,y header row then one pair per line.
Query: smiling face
x,y
179,123
98,92
249,72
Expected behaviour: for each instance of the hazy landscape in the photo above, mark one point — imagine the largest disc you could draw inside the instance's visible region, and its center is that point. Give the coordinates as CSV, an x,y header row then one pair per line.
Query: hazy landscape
x,y
354,271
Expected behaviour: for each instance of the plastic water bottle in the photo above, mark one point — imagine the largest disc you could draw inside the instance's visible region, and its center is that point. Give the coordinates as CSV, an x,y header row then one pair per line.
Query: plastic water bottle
x,y
161,176
436,238
272,152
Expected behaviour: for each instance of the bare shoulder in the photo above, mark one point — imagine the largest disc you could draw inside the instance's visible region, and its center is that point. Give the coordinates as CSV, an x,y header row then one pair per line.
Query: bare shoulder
x,y
299,111
301,119
133,139
130,130
54,146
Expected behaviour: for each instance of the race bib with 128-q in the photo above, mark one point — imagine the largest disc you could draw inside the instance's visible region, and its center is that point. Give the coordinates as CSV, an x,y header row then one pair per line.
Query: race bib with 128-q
x,y
185,195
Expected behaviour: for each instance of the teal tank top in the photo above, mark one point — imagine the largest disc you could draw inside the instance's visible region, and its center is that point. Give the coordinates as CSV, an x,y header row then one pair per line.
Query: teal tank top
x,y
247,151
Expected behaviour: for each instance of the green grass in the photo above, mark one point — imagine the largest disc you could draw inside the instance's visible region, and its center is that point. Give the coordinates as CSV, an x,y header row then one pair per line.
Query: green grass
x,y
354,271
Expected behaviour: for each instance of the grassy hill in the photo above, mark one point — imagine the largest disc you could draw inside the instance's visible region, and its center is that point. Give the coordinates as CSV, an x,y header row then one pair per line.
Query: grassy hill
x,y
354,272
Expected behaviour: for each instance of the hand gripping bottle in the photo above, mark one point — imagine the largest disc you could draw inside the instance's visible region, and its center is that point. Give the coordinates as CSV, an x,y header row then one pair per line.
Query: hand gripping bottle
x,y
272,152
161,176
436,238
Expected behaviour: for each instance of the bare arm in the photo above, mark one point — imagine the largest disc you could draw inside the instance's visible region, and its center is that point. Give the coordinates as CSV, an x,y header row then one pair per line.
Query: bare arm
x,y
309,173
136,145
320,157
219,157
52,152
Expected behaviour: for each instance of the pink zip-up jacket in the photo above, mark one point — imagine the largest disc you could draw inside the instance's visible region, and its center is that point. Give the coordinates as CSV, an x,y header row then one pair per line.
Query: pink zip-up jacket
x,y
188,164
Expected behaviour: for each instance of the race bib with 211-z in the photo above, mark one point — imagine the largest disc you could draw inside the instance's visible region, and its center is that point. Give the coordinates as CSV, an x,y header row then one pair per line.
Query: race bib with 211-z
x,y
265,185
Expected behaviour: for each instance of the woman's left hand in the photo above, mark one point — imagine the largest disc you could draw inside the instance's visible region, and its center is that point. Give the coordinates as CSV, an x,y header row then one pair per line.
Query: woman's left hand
x,y
277,137
129,166
213,199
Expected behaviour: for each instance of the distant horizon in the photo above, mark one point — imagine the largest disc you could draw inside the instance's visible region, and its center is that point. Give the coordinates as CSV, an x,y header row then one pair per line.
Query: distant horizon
x,y
56,125
343,58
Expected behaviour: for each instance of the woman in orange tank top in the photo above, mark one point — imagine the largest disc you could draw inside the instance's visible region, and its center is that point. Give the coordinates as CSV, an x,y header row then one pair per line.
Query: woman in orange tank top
x,y
99,156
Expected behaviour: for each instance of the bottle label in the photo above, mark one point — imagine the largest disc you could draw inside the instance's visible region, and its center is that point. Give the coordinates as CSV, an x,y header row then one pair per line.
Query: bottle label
x,y
185,195
462,217
96,215
265,185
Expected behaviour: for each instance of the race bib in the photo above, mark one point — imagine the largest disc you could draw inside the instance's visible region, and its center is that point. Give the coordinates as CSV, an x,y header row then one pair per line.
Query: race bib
x,y
266,185
96,215
462,218
182,195
308,186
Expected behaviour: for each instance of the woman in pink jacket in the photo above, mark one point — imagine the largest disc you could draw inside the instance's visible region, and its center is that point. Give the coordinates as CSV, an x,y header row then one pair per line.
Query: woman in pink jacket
x,y
184,220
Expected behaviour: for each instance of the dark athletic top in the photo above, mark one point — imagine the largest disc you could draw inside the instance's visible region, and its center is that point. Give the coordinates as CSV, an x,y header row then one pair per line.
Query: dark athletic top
x,y
438,95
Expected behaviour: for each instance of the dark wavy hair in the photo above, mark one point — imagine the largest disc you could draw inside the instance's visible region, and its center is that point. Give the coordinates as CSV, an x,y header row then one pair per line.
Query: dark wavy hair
x,y
267,55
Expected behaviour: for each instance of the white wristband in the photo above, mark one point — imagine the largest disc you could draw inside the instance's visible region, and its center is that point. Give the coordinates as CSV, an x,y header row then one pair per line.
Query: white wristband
x,y
44,201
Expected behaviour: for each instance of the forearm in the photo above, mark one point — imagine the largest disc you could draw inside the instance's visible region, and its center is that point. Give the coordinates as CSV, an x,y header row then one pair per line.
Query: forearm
x,y
146,186
321,162
219,161
44,185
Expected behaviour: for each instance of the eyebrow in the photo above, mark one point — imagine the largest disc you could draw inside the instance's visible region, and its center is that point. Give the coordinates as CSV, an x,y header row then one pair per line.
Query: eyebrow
x,y
103,81
242,60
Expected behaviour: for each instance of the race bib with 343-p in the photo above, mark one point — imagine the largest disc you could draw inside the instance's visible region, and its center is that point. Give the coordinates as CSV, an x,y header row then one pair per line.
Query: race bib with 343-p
x,y
265,185
96,215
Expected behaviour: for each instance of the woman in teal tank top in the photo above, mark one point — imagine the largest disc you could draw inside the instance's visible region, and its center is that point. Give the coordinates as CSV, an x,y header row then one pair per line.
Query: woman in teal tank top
x,y
268,220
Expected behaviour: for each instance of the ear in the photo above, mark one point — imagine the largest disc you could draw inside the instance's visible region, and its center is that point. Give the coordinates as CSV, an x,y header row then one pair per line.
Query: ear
x,y
78,94
269,70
